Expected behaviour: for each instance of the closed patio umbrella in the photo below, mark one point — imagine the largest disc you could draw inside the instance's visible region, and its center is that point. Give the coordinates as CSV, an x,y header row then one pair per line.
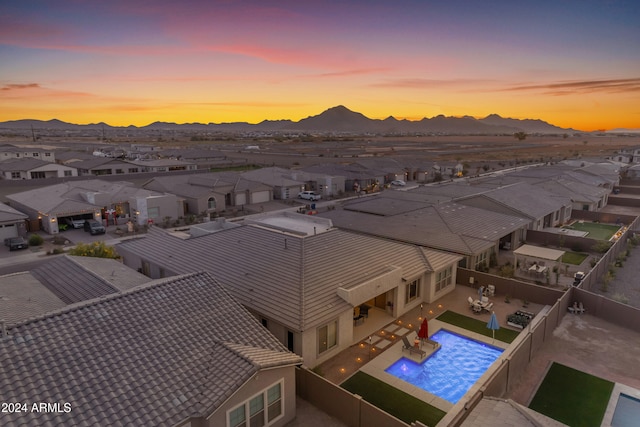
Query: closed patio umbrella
x,y
493,324
423,333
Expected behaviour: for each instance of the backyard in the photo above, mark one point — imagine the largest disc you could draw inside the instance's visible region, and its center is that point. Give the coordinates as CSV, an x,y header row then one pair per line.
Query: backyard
x,y
572,397
402,405
595,230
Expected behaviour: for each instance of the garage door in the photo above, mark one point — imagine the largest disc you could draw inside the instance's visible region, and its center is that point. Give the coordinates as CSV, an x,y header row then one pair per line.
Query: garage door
x,y
241,199
8,230
260,197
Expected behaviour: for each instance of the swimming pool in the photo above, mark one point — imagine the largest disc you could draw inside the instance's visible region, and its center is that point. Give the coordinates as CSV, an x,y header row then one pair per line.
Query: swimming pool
x,y
627,411
451,371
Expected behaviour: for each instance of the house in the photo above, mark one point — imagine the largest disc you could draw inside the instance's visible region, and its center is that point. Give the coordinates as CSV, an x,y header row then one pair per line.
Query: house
x,y
211,193
173,352
12,222
163,165
8,151
282,181
288,183
356,177
49,206
34,168
543,208
100,166
583,196
303,278
475,234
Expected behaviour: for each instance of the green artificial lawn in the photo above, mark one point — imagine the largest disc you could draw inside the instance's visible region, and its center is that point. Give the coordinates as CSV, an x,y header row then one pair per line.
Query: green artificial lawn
x,y
574,258
596,230
479,326
572,397
393,401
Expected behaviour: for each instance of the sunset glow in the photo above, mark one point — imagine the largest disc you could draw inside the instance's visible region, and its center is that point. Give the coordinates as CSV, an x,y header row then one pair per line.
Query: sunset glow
x,y
573,64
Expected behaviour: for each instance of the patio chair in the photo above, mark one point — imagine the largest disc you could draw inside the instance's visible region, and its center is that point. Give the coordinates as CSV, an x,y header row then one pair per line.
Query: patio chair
x,y
406,345
488,307
573,309
580,309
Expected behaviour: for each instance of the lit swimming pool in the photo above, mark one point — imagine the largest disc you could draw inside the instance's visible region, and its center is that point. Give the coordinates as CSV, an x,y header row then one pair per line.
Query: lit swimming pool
x,y
451,371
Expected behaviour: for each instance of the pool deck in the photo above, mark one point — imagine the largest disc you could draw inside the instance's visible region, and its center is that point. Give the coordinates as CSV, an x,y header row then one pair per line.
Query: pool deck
x,y
376,368
583,342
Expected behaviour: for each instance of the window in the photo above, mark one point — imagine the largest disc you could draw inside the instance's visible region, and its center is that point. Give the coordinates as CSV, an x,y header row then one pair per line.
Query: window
x,y
255,408
47,154
481,262
327,337
444,278
412,291
119,171
36,155
15,175
211,203
37,175
256,411
133,170
67,173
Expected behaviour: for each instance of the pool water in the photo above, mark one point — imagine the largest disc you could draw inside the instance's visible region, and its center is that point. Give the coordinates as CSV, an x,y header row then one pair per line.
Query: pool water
x,y
451,370
627,413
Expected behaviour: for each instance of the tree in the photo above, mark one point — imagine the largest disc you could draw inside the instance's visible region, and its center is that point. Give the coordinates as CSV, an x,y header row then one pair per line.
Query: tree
x,y
520,136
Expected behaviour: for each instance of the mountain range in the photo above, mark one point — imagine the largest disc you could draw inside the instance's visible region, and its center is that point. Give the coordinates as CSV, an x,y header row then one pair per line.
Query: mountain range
x,y
334,120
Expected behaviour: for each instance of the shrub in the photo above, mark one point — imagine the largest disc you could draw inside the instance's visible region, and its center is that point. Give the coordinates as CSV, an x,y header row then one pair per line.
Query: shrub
x,y
602,246
95,249
35,240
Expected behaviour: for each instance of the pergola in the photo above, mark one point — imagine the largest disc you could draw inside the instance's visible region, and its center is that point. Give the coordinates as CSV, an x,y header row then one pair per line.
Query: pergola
x,y
537,259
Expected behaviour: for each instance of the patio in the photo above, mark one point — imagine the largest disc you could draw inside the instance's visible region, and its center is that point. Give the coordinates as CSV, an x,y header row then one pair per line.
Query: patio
x,y
387,339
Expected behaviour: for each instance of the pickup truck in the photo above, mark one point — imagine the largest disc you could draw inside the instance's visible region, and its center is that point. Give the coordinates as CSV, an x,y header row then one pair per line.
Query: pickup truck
x,y
15,243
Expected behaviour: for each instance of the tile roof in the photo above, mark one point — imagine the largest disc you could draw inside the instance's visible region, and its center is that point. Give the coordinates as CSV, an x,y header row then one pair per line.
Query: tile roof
x,y
449,226
290,279
22,296
154,355
22,164
74,196
9,214
70,277
523,199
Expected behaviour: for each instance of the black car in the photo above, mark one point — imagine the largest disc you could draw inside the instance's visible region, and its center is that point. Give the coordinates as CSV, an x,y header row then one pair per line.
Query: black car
x,y
94,227
15,243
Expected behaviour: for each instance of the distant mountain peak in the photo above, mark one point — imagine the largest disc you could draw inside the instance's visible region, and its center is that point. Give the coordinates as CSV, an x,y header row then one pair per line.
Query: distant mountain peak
x,y
334,119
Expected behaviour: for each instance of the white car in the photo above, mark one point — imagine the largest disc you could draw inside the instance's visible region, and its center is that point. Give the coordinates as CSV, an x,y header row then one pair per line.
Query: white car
x,y
74,222
309,195
398,182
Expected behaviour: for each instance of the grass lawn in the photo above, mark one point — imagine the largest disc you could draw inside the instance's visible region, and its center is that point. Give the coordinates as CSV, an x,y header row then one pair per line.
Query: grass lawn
x,y
393,401
479,326
574,258
572,397
596,230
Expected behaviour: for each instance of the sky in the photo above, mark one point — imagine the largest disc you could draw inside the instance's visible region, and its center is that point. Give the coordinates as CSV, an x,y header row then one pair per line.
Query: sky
x,y
575,64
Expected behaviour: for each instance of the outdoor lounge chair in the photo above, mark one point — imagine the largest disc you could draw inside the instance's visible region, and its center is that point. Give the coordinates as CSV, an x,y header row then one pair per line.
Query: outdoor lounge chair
x,y
435,344
407,346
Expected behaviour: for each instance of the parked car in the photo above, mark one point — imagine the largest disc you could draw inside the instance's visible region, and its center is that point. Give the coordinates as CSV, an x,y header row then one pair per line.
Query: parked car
x,y
398,182
15,243
309,195
94,227
74,222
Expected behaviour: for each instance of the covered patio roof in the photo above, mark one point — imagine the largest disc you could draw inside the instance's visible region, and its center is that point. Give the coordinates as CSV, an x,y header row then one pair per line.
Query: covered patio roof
x,y
539,252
